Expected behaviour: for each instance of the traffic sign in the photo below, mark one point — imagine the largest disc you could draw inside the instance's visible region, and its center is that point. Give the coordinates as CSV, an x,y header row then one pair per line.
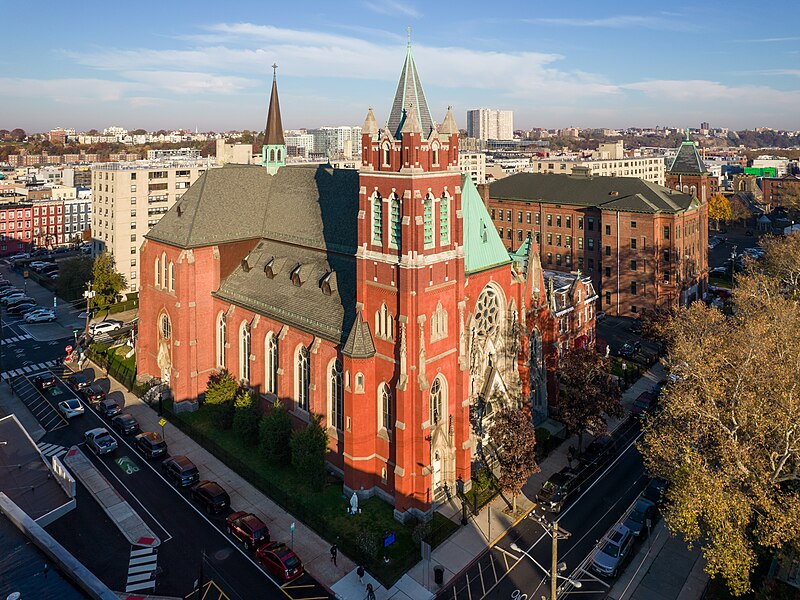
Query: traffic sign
x,y
162,422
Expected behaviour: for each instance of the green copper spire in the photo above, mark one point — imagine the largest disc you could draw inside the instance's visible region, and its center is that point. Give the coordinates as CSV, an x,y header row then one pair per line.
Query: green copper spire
x,y
273,152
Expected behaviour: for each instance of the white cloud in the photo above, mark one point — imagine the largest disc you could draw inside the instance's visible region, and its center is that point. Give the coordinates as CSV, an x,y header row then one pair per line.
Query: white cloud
x,y
392,7
671,22
190,82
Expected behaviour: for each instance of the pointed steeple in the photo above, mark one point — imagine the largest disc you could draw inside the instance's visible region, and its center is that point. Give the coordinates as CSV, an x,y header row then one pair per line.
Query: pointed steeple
x,y
411,122
448,126
409,92
687,161
273,152
370,124
274,134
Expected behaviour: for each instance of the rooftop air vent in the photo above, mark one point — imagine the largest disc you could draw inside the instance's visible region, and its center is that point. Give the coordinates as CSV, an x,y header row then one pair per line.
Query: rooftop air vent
x,y
613,193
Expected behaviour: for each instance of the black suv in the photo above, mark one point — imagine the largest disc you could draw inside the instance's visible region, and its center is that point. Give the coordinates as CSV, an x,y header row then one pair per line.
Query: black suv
x,y
78,381
211,495
44,381
108,408
557,490
92,395
180,470
151,444
598,451
125,424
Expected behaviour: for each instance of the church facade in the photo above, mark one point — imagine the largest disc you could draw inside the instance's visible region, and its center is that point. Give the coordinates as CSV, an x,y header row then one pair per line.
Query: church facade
x,y
382,299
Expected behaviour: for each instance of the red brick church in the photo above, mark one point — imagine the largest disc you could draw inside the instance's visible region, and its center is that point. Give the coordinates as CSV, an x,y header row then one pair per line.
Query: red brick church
x,y
382,299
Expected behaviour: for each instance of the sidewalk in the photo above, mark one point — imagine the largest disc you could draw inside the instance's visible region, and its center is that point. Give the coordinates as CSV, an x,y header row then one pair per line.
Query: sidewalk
x,y
310,547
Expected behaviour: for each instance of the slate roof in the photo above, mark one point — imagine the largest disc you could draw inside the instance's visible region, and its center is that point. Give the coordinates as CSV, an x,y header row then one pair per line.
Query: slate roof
x,y
359,343
312,205
625,194
483,248
409,93
687,161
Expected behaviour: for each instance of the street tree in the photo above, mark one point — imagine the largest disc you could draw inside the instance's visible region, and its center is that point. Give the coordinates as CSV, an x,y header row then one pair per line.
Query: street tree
x,y
246,416
309,446
106,280
588,393
782,260
513,438
727,437
719,208
73,274
220,394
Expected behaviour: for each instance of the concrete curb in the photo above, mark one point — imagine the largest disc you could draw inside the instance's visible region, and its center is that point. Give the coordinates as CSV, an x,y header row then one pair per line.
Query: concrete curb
x,y
113,504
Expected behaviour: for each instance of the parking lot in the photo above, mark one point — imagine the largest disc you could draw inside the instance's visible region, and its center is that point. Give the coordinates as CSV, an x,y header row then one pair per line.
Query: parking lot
x,y
42,407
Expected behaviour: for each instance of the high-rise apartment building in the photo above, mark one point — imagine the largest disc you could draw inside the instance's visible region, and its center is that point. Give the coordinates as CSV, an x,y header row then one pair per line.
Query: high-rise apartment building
x,y
129,198
473,164
488,124
336,142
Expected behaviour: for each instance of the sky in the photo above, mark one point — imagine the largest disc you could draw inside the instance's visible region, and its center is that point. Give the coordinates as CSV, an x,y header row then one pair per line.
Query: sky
x,y
207,65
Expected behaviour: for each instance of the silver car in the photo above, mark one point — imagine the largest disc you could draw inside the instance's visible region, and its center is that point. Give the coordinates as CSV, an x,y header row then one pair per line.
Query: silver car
x,y
613,551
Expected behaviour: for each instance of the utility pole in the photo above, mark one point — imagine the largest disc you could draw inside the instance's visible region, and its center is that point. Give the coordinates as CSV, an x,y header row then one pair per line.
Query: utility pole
x,y
88,294
733,264
554,564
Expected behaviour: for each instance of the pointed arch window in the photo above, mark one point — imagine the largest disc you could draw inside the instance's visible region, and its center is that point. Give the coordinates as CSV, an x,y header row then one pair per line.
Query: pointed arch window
x,y
279,155
221,338
394,210
336,394
245,350
444,220
384,323
435,154
271,363
164,271
428,221
438,400
387,155
171,277
158,273
385,407
438,323
377,219
302,377
272,156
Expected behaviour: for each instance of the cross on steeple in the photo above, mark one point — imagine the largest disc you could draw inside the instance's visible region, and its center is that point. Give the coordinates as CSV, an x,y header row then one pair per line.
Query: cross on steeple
x,y
409,35
274,70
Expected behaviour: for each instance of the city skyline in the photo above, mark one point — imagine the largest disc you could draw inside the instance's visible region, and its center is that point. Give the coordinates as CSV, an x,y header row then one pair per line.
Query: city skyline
x,y
173,69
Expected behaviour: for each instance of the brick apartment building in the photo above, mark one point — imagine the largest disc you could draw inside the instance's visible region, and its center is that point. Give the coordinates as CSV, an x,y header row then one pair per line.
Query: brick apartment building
x,y
643,245
31,224
781,191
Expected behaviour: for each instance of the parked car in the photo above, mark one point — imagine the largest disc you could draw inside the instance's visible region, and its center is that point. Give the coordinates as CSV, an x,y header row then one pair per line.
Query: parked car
x,y
78,381
19,256
613,551
641,516
70,408
655,490
248,529
92,395
720,271
21,308
180,470
108,408
100,441
280,560
211,495
9,291
42,316
559,488
643,403
630,348
125,424
598,450
18,298
28,309
151,444
104,326
44,381
636,326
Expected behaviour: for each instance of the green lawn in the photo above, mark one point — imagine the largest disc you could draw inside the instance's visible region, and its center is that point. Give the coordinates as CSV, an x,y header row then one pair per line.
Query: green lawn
x,y
322,506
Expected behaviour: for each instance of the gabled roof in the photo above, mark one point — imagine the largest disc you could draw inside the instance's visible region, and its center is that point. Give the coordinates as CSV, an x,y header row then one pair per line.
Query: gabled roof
x,y
409,93
310,205
627,194
687,161
483,248
274,132
359,343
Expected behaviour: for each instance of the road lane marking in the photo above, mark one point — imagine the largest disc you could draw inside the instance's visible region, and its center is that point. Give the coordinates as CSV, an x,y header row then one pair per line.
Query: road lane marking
x,y
141,551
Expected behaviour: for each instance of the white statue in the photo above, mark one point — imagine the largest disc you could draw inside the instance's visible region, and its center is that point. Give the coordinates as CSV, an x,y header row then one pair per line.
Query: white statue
x,y
608,350
354,504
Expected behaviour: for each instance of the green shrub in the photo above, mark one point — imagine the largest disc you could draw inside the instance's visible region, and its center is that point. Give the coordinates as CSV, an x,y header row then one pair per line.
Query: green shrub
x,y
309,446
246,416
275,435
220,393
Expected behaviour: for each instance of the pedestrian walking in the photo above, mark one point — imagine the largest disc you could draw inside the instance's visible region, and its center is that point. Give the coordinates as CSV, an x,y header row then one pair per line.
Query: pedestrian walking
x,y
360,573
370,592
334,551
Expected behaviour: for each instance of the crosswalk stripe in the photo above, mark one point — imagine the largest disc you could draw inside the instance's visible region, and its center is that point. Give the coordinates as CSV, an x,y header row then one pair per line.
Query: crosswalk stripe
x,y
143,559
45,447
140,577
142,569
28,369
140,586
142,551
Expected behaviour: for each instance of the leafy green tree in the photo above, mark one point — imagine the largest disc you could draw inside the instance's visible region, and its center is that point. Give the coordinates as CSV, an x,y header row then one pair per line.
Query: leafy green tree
x,y
220,393
246,416
588,393
275,435
309,446
513,438
73,275
107,283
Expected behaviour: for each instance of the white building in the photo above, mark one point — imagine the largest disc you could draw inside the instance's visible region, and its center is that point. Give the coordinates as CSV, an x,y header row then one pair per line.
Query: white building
x,y
299,144
474,165
610,160
489,124
237,154
77,215
779,163
337,142
128,198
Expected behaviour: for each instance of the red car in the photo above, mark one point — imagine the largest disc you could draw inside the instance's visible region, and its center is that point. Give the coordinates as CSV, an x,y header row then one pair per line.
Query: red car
x,y
279,560
248,529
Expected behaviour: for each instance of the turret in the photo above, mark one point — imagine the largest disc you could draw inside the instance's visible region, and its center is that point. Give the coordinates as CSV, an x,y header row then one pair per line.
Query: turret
x,y
273,152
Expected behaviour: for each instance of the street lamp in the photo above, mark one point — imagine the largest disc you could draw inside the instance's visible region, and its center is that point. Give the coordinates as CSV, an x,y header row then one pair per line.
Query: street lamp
x,y
554,575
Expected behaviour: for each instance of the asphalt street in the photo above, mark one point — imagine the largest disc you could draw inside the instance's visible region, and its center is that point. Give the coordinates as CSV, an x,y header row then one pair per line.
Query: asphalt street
x,y
502,572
